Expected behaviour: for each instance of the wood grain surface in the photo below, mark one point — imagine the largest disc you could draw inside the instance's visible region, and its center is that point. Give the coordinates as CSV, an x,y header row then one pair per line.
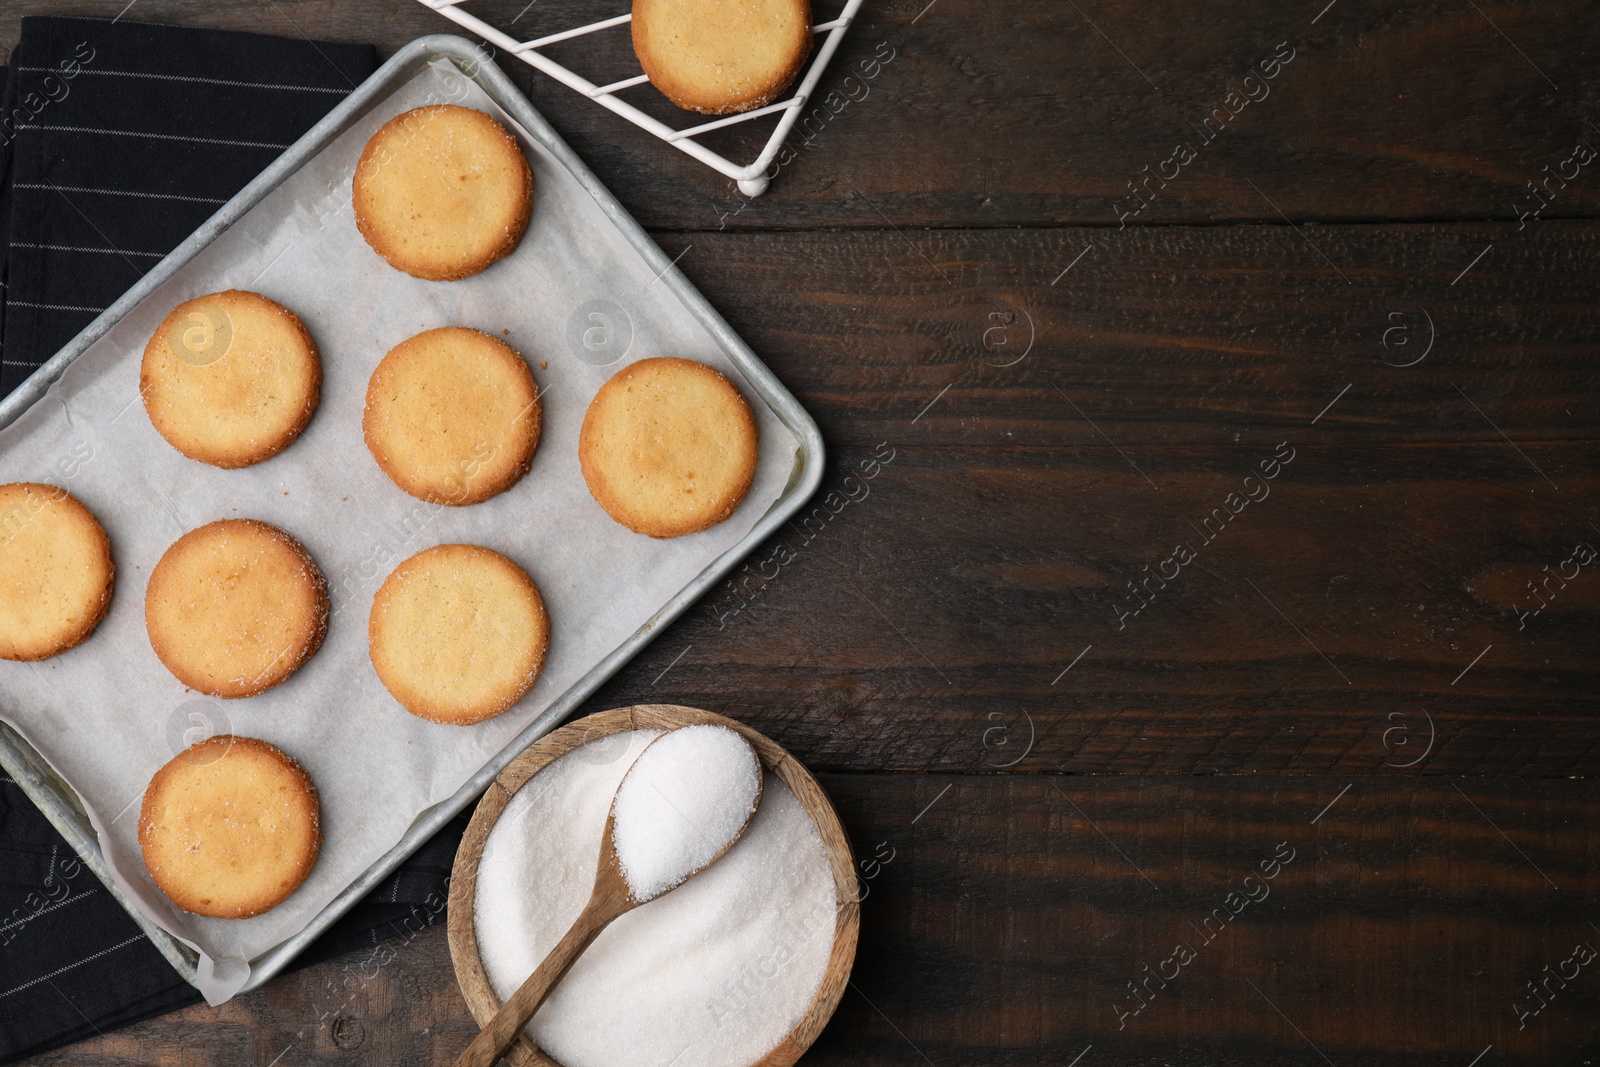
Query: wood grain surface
x,y
1041,112
1005,917
1176,532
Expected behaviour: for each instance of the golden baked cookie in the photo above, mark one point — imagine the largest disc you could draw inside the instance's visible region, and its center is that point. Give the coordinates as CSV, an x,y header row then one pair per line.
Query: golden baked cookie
x,y
441,192
230,827
452,416
55,571
458,634
231,378
668,447
721,56
235,607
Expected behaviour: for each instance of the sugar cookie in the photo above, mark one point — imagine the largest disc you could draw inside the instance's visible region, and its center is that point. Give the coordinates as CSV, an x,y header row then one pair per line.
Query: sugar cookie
x,y
452,416
55,571
231,378
458,634
230,827
721,56
443,191
235,607
668,447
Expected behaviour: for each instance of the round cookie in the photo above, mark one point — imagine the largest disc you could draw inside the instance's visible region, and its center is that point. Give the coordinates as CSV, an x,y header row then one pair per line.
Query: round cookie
x,y
458,634
235,607
668,447
452,416
721,56
231,378
55,571
229,827
443,191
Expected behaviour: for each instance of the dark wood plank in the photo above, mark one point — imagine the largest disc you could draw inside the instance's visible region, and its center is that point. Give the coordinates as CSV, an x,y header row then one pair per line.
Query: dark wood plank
x,y
1004,921
1368,624
1037,115
914,613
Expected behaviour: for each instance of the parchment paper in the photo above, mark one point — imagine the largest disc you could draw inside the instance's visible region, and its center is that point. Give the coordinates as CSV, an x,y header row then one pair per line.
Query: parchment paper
x,y
107,715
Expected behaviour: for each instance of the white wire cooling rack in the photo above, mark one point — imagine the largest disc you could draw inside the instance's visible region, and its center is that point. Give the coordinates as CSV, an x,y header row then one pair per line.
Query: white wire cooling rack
x,y
752,177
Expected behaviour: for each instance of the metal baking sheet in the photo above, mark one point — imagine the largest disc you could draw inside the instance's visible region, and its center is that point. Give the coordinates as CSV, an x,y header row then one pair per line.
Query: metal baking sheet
x,y
56,798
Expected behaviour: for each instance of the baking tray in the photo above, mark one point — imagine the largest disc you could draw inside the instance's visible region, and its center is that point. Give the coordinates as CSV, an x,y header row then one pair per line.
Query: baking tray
x,y
56,799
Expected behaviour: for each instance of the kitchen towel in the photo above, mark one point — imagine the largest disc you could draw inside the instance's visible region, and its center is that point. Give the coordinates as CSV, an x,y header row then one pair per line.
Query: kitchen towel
x,y
117,140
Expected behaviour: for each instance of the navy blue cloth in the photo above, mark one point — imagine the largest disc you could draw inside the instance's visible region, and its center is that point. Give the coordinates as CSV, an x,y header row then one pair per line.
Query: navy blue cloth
x,y
117,140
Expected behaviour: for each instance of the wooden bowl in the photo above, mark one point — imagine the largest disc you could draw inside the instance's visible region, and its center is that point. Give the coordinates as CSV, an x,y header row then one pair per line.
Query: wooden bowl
x,y
474,983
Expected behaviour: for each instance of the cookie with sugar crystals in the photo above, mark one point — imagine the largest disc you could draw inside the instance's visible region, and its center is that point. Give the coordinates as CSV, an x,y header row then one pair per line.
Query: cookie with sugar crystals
x,y
56,572
668,447
458,634
452,416
235,607
442,191
721,56
230,378
230,827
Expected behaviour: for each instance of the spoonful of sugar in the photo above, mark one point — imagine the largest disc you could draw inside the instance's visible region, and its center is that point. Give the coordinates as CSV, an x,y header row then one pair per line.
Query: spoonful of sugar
x,y
683,803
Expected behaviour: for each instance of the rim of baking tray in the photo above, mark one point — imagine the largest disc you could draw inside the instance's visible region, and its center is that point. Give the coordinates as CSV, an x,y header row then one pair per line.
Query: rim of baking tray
x,y
56,799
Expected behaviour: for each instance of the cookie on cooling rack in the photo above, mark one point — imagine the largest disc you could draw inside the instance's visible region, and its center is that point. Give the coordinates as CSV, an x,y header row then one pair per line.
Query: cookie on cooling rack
x,y
442,191
230,827
721,56
452,416
235,607
458,634
668,447
230,378
55,571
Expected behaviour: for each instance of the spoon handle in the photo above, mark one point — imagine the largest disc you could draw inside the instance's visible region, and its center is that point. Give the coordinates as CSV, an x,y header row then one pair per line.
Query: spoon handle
x,y
487,1048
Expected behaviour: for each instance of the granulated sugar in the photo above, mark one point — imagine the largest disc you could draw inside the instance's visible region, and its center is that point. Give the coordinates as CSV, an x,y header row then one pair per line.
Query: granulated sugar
x,y
682,801
713,974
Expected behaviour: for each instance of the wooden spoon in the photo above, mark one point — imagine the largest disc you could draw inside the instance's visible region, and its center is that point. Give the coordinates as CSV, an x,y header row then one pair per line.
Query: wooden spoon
x,y
610,899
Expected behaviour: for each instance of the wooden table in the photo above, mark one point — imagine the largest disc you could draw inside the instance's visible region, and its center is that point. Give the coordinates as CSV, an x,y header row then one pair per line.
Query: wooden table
x,y
1197,626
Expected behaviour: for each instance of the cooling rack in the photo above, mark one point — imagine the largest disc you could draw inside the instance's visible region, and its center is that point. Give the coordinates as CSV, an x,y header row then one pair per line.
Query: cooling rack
x,y
752,177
